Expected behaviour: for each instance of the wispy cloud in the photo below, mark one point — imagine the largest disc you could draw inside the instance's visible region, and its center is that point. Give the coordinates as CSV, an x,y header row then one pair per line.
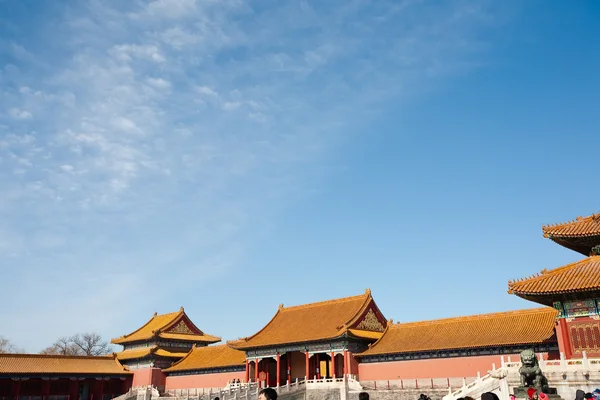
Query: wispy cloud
x,y
143,136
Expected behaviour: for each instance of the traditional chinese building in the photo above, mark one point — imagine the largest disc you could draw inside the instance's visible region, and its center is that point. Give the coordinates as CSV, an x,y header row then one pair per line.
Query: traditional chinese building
x,y
163,340
574,289
312,340
207,367
458,347
67,377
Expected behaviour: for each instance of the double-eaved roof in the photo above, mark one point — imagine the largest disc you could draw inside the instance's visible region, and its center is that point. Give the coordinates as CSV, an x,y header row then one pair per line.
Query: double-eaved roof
x,y
502,329
571,281
356,316
209,358
33,364
176,326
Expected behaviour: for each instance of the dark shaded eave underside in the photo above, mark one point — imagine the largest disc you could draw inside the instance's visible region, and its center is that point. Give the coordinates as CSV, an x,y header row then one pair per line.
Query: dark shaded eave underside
x,y
547,299
580,244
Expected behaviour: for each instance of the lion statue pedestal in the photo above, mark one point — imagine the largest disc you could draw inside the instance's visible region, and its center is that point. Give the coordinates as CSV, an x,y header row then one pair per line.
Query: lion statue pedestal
x,y
532,377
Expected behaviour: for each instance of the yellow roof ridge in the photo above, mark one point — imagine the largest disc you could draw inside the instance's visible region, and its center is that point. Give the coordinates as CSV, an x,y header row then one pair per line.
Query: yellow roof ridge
x,y
326,302
578,219
475,316
281,309
545,273
155,315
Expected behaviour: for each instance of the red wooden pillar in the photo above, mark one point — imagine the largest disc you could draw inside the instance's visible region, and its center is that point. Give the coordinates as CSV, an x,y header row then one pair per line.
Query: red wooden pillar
x,y
126,384
74,390
278,369
267,367
307,366
288,358
345,362
101,388
45,389
333,365
247,370
563,338
317,366
256,362
15,387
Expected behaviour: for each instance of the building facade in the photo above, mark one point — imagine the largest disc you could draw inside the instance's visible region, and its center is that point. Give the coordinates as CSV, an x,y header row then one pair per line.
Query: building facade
x,y
458,347
62,377
335,338
312,340
573,289
160,342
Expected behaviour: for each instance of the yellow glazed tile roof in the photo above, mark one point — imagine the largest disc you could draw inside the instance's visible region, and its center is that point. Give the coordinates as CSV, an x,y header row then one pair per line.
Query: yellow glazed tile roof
x,y
486,330
583,275
582,226
310,322
209,357
146,351
175,325
51,364
180,336
172,354
135,353
365,334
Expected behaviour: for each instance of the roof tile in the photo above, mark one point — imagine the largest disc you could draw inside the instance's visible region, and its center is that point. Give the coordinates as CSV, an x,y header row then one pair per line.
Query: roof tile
x,y
309,322
476,331
168,326
583,275
581,227
53,364
209,357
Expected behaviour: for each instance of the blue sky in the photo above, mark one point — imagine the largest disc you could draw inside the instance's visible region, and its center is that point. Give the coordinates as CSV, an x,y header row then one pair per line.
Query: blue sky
x,y
228,156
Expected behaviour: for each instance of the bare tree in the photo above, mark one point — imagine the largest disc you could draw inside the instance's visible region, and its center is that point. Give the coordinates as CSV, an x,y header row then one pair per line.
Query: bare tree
x,y
63,346
6,346
81,344
91,344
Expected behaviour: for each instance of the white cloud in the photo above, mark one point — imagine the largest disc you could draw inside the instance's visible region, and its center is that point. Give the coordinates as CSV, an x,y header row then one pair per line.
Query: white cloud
x,y
128,52
168,133
159,83
19,113
172,8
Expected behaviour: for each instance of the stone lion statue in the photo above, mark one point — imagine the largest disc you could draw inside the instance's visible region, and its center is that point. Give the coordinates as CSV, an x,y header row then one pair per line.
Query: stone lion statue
x,y
531,373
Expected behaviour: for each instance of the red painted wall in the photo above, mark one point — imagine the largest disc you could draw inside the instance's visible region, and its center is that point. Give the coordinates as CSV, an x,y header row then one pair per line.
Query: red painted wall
x,y
148,376
202,380
457,367
584,335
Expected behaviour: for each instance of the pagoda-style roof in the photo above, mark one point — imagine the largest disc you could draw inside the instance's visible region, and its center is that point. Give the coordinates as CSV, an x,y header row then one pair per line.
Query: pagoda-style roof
x,y
30,364
136,354
209,357
580,235
175,326
511,328
356,316
568,281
